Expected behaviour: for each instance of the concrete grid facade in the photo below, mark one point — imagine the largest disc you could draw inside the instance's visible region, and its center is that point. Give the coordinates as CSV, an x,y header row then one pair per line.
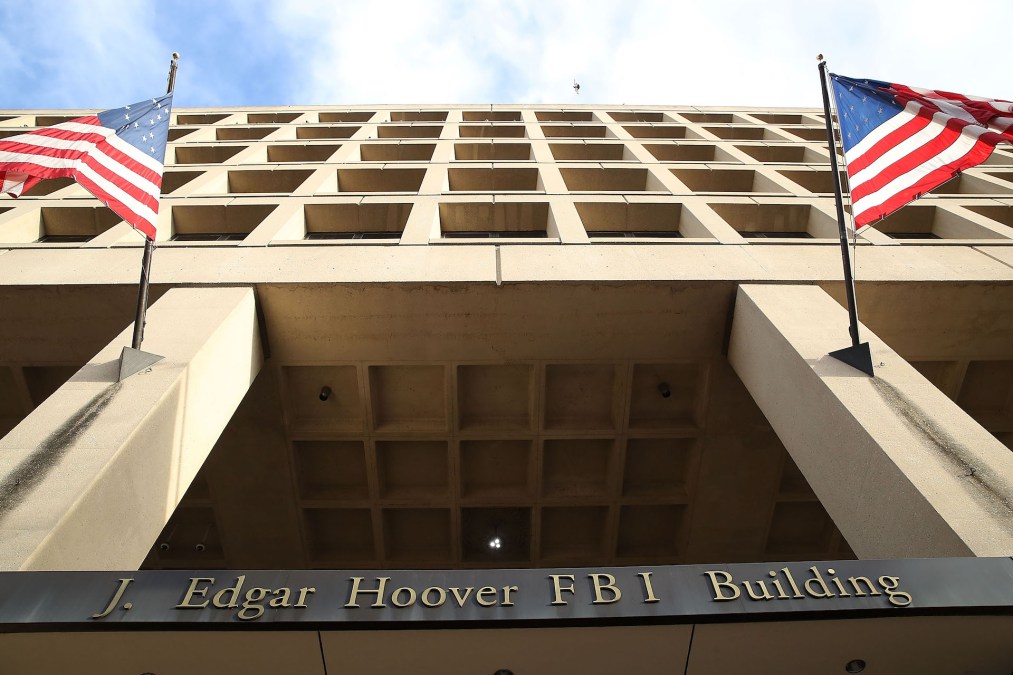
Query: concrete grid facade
x,y
597,332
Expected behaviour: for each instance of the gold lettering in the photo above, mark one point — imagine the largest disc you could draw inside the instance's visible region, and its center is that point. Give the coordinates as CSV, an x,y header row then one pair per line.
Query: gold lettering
x,y
483,594
396,595
303,592
357,582
252,609
557,590
896,598
719,596
429,603
194,591
748,585
818,579
648,587
281,597
219,599
461,599
791,582
115,600
837,582
858,589
506,595
611,587
777,584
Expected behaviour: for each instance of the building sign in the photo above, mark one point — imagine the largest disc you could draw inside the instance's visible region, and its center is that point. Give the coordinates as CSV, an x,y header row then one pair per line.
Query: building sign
x,y
660,594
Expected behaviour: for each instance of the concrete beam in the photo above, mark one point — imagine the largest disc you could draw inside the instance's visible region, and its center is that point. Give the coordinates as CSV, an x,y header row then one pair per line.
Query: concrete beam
x,y
88,480
900,468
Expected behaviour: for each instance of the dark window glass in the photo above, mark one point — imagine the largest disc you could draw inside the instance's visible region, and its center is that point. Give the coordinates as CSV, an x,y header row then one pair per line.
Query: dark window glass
x,y
776,235
913,235
512,234
353,235
637,234
209,236
64,238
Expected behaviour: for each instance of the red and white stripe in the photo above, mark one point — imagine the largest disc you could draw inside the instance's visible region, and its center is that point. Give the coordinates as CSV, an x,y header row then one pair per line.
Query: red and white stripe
x,y
935,137
118,174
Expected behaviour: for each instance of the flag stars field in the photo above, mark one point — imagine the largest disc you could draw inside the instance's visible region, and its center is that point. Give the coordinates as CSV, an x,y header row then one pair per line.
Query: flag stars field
x,y
110,159
927,138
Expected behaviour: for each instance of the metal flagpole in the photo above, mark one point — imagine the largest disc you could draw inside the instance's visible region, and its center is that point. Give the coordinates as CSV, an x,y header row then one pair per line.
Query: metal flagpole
x,y
136,360
857,355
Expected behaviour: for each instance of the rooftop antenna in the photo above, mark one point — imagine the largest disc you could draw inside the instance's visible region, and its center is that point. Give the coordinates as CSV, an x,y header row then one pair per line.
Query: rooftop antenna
x,y
576,86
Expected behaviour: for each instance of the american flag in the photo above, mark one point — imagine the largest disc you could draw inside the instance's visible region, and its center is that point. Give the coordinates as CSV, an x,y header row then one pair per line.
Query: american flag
x,y
900,142
117,155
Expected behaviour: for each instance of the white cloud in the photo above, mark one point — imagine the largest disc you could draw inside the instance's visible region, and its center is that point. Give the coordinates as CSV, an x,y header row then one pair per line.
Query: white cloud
x,y
82,54
649,51
372,53
269,52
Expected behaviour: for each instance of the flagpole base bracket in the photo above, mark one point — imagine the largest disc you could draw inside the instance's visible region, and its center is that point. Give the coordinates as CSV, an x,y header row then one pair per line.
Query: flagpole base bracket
x,y
133,361
857,356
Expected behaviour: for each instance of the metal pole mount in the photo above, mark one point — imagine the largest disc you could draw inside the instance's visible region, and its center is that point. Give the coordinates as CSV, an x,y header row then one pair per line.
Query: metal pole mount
x,y
132,359
858,354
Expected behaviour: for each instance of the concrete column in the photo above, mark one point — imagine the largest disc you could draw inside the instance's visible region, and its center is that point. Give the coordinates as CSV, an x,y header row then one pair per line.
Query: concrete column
x,y
901,469
88,480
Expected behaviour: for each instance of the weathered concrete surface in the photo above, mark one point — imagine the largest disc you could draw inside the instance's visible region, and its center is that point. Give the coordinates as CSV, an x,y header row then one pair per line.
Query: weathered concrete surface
x,y
91,476
900,468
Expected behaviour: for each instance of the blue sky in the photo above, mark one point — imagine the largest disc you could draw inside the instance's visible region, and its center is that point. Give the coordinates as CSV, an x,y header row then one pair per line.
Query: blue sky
x,y
102,54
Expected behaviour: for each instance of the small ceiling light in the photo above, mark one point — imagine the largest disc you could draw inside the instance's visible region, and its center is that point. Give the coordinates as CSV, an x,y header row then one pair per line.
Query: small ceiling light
x,y
164,546
325,393
854,666
201,547
495,543
664,390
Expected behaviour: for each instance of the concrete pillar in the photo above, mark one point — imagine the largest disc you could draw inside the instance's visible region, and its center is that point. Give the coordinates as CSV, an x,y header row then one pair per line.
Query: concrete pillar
x,y
901,469
88,480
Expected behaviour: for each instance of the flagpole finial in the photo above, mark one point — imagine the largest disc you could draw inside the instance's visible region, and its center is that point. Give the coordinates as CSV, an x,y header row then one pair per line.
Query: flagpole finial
x,y
173,64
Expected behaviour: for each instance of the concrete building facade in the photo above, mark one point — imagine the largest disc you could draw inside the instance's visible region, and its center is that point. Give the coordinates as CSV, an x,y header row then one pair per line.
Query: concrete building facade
x,y
595,334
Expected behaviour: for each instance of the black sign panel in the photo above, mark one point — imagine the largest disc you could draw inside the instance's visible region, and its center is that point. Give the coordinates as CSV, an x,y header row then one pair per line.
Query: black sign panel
x,y
348,599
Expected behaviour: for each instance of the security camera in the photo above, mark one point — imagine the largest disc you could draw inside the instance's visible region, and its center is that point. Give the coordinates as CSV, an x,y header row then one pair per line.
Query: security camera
x,y
664,390
325,393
